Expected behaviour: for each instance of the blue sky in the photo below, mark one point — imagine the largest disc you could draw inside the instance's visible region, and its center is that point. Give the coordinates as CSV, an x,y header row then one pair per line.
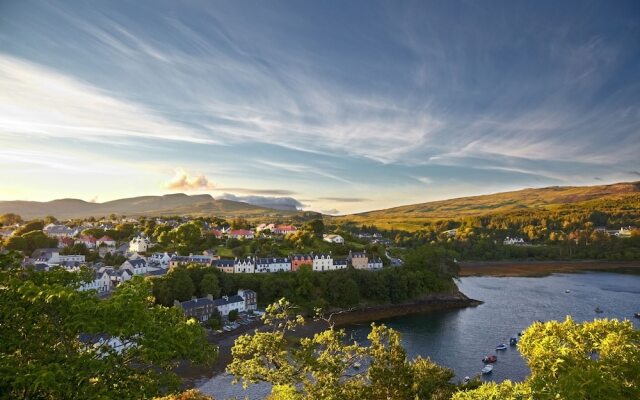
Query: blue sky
x,y
339,106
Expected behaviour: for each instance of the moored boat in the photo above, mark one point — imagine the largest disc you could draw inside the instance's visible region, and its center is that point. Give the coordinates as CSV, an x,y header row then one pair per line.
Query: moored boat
x,y
637,315
501,346
490,358
487,369
598,310
513,340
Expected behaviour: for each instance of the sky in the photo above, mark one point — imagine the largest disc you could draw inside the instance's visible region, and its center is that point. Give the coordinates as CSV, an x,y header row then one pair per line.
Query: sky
x,y
331,106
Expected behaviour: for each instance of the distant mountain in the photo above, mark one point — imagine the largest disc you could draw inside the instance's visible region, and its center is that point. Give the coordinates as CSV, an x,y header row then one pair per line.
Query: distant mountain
x,y
171,204
550,198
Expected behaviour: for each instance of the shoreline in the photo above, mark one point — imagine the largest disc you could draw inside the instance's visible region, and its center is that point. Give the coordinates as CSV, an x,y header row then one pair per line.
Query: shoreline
x,y
532,268
195,376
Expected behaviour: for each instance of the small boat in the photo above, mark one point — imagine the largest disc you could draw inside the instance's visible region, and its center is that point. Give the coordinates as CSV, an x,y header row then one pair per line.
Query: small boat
x,y
637,315
487,369
501,346
513,341
520,333
490,359
357,365
567,291
598,310
466,379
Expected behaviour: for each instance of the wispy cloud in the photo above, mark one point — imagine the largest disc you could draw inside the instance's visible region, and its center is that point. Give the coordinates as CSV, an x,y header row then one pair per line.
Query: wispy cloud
x,y
38,101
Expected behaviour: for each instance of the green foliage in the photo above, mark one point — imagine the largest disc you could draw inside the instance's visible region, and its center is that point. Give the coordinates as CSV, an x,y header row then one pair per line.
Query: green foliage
x,y
316,227
36,225
569,360
49,328
233,315
10,219
327,366
210,285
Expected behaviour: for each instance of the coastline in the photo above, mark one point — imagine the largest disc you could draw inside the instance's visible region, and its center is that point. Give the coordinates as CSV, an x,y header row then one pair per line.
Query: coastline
x,y
532,268
195,376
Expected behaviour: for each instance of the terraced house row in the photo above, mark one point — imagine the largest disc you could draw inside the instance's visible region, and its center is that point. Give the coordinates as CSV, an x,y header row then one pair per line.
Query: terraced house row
x,y
317,262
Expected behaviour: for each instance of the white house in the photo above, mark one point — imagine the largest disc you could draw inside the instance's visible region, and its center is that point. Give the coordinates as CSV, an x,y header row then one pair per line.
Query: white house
x,y
117,276
135,267
451,232
250,299
101,283
59,231
52,257
273,264
139,244
322,262
513,241
333,239
161,259
228,303
244,265
340,264
375,263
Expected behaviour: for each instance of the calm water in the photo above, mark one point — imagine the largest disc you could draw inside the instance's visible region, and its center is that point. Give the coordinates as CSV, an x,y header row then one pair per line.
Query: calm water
x,y
459,339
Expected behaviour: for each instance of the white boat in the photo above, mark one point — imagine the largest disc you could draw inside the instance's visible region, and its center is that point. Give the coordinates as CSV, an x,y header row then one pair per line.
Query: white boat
x,y
357,365
487,369
501,346
567,291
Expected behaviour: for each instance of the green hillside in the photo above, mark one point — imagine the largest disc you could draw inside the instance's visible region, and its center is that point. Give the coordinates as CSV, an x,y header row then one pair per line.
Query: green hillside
x,y
619,196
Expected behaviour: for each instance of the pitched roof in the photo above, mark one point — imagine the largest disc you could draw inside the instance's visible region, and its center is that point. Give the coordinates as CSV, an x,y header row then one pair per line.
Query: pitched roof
x,y
201,302
224,263
228,300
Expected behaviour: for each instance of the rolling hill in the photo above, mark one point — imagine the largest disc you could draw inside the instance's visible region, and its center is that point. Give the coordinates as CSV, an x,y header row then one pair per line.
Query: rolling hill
x,y
172,204
412,217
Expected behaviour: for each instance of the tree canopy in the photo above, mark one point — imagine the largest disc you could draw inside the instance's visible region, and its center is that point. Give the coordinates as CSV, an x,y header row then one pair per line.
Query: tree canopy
x,y
55,339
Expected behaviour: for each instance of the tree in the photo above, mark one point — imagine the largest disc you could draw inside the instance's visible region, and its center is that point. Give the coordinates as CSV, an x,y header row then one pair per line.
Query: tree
x,y
10,219
29,227
210,285
54,338
569,360
316,227
325,365
49,219
17,243
182,287
37,239
233,315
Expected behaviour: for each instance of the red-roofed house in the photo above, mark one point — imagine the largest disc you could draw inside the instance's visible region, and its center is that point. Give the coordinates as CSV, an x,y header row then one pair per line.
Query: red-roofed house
x,y
217,233
87,240
284,229
107,241
65,242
